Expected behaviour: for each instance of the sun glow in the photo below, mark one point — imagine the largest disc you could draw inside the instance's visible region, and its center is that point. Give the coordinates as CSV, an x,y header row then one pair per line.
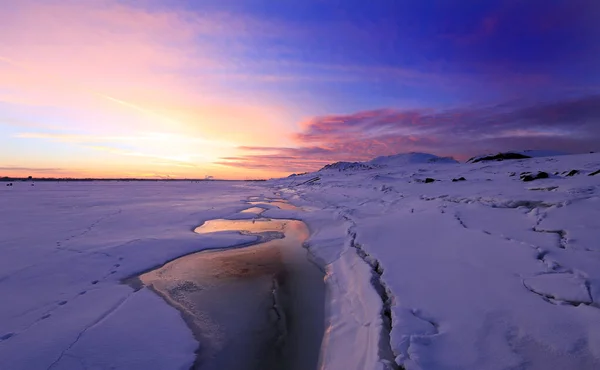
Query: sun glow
x,y
113,85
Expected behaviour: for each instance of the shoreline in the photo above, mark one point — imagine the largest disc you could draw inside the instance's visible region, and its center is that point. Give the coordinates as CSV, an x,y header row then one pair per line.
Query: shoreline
x,y
268,275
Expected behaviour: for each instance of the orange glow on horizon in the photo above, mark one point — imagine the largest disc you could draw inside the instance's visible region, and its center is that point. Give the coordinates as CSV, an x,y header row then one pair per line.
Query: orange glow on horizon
x,y
129,90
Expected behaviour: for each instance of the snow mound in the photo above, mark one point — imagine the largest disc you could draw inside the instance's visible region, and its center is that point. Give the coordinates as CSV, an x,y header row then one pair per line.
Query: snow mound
x,y
396,160
409,158
345,166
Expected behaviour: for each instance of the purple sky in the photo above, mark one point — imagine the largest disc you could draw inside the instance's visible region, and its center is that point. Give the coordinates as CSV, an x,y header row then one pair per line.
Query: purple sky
x,y
259,87
455,78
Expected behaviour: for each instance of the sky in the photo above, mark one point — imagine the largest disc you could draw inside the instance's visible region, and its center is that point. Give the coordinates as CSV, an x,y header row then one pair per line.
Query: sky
x,y
245,89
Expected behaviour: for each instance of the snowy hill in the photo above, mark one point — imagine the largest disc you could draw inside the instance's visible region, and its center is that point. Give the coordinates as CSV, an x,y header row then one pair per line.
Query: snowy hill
x,y
389,161
409,158
346,166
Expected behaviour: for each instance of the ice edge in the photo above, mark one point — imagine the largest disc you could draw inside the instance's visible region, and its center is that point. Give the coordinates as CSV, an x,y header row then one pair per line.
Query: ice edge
x,y
385,351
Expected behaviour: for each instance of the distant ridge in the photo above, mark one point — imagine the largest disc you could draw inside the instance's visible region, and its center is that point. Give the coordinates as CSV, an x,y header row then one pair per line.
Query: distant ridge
x,y
523,154
395,160
410,158
345,166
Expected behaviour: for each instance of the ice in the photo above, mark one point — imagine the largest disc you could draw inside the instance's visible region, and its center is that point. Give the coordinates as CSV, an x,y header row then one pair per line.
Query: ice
x,y
487,273
580,220
64,248
353,334
125,334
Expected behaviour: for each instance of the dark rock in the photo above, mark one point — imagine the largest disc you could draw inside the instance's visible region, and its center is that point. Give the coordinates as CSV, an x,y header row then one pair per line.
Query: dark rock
x,y
594,173
498,157
573,173
512,174
428,180
459,179
529,177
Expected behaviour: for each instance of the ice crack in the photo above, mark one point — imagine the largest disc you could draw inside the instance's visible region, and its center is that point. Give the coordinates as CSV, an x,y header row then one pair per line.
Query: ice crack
x,y
562,236
386,354
91,325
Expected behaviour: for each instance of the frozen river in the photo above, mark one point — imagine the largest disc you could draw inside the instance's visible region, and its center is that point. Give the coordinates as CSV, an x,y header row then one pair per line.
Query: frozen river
x,y
263,302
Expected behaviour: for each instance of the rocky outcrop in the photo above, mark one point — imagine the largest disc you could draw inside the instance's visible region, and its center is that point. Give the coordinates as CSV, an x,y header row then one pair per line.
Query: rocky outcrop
x,y
528,176
498,157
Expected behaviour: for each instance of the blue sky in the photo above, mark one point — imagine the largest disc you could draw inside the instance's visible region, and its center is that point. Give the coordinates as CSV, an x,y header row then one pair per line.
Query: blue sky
x,y
262,88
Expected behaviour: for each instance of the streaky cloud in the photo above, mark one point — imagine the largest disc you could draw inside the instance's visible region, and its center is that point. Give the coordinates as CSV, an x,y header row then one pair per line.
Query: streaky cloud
x,y
571,125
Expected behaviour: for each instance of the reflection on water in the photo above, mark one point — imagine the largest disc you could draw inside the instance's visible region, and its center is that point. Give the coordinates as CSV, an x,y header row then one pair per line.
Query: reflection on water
x,y
263,303
255,210
249,226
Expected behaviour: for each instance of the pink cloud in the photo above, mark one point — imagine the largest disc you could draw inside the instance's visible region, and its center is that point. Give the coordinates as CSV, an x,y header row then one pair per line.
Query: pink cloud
x,y
568,125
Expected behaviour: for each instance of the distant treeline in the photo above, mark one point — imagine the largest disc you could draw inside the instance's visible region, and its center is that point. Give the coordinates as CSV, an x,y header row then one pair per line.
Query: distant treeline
x,y
70,179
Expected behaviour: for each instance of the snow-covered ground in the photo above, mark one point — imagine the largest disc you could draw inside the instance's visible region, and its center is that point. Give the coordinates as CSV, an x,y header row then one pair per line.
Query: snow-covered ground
x,y
487,273
64,247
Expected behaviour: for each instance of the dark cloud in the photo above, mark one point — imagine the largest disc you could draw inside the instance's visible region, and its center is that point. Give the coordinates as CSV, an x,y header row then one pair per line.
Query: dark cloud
x,y
570,125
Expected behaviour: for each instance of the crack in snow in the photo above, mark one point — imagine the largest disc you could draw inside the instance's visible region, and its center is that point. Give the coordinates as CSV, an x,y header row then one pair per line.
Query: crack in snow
x,y
90,326
553,299
386,352
494,202
562,236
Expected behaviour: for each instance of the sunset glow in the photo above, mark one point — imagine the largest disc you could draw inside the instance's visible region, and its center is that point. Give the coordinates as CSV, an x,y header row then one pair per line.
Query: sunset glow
x,y
256,89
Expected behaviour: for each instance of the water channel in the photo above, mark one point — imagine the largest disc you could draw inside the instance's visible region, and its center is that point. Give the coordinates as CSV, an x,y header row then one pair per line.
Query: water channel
x,y
256,307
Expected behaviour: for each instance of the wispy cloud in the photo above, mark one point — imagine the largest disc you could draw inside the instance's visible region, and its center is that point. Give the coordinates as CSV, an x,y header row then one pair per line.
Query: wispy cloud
x,y
171,148
217,87
32,169
570,125
133,80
